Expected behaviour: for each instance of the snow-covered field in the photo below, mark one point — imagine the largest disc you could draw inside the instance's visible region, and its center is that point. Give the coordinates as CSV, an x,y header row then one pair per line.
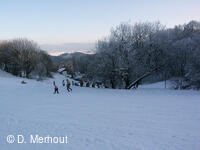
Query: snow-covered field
x,y
98,119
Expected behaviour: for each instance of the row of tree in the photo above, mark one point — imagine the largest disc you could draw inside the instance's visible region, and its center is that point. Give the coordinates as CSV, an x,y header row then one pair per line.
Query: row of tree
x,y
143,51
22,57
134,51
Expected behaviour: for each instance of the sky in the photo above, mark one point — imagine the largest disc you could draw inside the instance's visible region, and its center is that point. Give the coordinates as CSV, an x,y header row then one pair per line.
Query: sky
x,y
58,25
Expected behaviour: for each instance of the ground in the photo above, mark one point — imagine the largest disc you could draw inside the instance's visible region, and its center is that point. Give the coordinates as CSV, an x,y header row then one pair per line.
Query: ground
x,y
149,118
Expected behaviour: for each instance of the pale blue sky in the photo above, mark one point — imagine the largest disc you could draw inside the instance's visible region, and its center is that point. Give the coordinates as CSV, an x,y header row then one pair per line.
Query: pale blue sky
x,y
85,21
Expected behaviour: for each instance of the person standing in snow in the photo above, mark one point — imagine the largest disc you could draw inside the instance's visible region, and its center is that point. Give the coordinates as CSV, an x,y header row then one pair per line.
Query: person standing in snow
x,y
55,88
63,82
93,84
68,86
81,83
88,84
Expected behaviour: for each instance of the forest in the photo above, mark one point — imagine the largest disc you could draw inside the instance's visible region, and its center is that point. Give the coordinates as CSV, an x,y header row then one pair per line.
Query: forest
x,y
143,52
147,50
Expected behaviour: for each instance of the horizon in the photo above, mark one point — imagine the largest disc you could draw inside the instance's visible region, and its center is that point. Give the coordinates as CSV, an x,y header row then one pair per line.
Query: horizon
x,y
67,26
59,49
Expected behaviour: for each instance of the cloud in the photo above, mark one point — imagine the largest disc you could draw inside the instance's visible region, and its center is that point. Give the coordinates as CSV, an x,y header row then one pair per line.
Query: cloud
x,y
68,48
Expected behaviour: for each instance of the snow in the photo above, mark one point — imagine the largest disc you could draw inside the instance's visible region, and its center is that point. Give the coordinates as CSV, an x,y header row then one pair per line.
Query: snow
x,y
98,119
158,85
4,74
61,70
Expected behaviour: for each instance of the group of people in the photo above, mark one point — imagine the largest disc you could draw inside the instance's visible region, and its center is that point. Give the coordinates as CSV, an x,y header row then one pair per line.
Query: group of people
x,y
87,84
67,83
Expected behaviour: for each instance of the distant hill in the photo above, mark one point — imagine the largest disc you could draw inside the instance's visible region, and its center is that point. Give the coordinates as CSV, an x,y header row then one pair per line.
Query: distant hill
x,y
60,59
57,59
70,55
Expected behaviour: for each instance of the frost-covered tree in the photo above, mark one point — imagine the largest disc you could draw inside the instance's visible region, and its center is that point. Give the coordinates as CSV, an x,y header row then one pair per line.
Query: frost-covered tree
x,y
131,51
21,56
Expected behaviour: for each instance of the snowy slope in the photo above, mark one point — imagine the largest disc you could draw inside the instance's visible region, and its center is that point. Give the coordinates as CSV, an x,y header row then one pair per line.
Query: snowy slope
x,y
158,85
4,74
98,119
